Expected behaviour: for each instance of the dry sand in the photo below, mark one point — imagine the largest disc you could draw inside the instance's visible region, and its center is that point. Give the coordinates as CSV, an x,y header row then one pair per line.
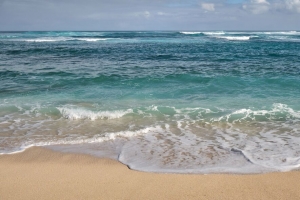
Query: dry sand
x,y
38,173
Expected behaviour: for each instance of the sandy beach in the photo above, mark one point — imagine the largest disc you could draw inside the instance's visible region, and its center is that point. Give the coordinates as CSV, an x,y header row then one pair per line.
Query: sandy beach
x,y
38,173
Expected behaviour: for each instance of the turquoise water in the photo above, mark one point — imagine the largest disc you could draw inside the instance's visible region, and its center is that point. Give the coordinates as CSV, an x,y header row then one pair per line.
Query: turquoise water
x,y
184,102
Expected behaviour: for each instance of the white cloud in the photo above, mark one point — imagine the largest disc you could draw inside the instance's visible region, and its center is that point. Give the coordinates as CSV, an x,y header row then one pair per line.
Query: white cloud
x,y
162,14
257,6
145,14
208,6
293,5
260,2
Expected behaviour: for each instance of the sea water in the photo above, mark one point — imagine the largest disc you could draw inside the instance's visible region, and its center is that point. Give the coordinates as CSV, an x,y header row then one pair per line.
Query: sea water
x,y
180,102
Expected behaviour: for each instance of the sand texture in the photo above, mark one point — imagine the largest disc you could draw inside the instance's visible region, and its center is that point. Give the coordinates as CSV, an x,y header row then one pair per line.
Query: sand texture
x,y
38,173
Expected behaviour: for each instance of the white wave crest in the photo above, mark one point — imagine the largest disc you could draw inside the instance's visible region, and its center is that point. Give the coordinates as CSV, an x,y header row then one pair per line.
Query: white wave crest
x,y
282,33
240,38
48,39
283,37
276,108
278,111
62,39
214,33
190,33
79,113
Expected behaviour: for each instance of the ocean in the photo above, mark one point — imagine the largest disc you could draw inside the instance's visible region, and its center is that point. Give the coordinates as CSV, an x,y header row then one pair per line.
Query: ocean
x,y
168,102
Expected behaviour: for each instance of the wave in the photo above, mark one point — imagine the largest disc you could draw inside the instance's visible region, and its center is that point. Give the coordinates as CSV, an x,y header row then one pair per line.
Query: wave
x,y
214,33
63,39
95,139
191,33
177,144
47,40
8,36
255,32
278,112
238,38
156,148
80,113
205,33
282,33
284,38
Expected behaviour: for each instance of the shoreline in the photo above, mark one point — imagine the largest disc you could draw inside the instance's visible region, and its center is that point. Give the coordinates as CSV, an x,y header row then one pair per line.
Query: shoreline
x,y
39,173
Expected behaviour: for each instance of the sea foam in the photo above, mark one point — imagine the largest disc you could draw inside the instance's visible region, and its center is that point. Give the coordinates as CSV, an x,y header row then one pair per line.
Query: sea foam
x,y
80,113
277,112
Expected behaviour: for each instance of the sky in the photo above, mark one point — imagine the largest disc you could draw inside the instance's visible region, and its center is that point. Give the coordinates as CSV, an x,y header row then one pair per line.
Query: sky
x,y
189,15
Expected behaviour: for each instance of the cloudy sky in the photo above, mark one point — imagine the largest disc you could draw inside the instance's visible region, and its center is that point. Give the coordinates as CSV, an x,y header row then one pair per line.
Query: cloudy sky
x,y
149,15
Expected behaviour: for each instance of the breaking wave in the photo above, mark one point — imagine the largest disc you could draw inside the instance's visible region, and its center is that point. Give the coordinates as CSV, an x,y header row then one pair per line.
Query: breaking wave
x,y
239,38
62,39
191,33
79,113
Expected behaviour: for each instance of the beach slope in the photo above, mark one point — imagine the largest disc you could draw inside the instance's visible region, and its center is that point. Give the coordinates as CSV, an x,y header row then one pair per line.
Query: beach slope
x,y
38,173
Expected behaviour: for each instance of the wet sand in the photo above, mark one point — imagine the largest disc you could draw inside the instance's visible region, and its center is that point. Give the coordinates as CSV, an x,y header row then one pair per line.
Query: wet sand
x,y
38,173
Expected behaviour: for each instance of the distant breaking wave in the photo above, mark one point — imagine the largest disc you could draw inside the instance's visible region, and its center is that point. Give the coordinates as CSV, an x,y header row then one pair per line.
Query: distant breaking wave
x,y
191,33
241,38
241,32
205,33
283,33
214,33
62,39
